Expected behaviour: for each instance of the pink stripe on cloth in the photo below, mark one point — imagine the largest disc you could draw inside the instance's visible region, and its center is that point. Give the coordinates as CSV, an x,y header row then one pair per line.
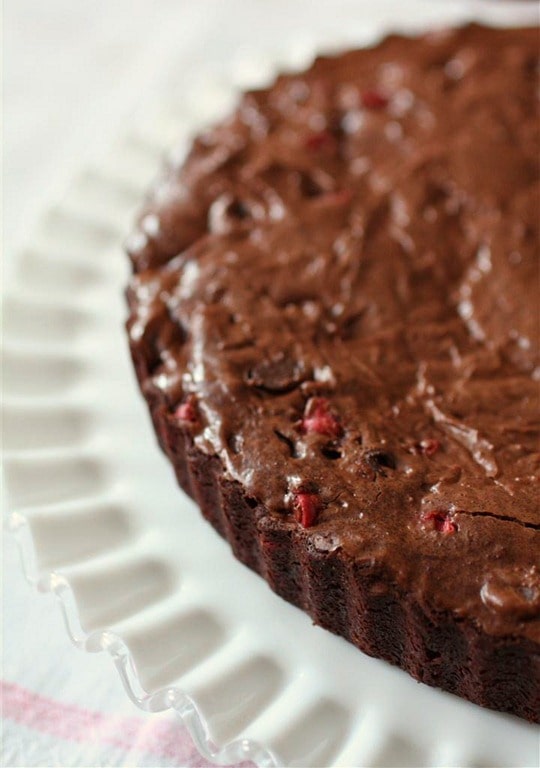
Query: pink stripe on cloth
x,y
73,723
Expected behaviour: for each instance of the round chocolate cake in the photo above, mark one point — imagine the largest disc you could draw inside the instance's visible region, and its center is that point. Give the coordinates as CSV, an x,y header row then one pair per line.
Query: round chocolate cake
x,y
334,320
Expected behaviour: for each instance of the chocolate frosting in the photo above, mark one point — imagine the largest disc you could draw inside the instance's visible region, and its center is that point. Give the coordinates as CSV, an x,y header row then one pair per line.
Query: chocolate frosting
x,y
338,293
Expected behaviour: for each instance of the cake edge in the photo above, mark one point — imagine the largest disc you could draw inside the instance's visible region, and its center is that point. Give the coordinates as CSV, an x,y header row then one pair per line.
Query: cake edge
x,y
353,599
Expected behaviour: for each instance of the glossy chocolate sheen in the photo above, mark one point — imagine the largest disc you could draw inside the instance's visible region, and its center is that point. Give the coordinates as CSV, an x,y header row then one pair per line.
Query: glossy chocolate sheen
x,y
336,297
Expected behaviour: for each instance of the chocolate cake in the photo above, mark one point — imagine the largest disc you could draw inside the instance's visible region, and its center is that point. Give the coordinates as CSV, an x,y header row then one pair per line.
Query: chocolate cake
x,y
334,321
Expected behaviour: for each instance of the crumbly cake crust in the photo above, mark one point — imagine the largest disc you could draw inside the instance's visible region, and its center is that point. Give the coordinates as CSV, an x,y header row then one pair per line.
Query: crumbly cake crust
x,y
334,320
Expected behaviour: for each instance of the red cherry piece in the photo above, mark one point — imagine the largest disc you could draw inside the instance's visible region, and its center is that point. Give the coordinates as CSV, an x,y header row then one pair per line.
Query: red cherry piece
x,y
186,412
318,418
440,520
429,446
339,197
448,526
306,507
374,100
322,141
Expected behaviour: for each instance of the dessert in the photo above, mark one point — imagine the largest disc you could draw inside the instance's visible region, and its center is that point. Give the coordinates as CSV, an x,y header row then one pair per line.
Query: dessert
x,y
334,321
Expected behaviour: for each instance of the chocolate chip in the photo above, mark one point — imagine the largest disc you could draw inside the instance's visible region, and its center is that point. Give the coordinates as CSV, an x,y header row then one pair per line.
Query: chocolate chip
x,y
278,374
330,453
513,592
379,460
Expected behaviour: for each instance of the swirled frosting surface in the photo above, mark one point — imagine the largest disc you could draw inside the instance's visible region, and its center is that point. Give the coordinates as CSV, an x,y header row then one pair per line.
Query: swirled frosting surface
x,y
338,290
